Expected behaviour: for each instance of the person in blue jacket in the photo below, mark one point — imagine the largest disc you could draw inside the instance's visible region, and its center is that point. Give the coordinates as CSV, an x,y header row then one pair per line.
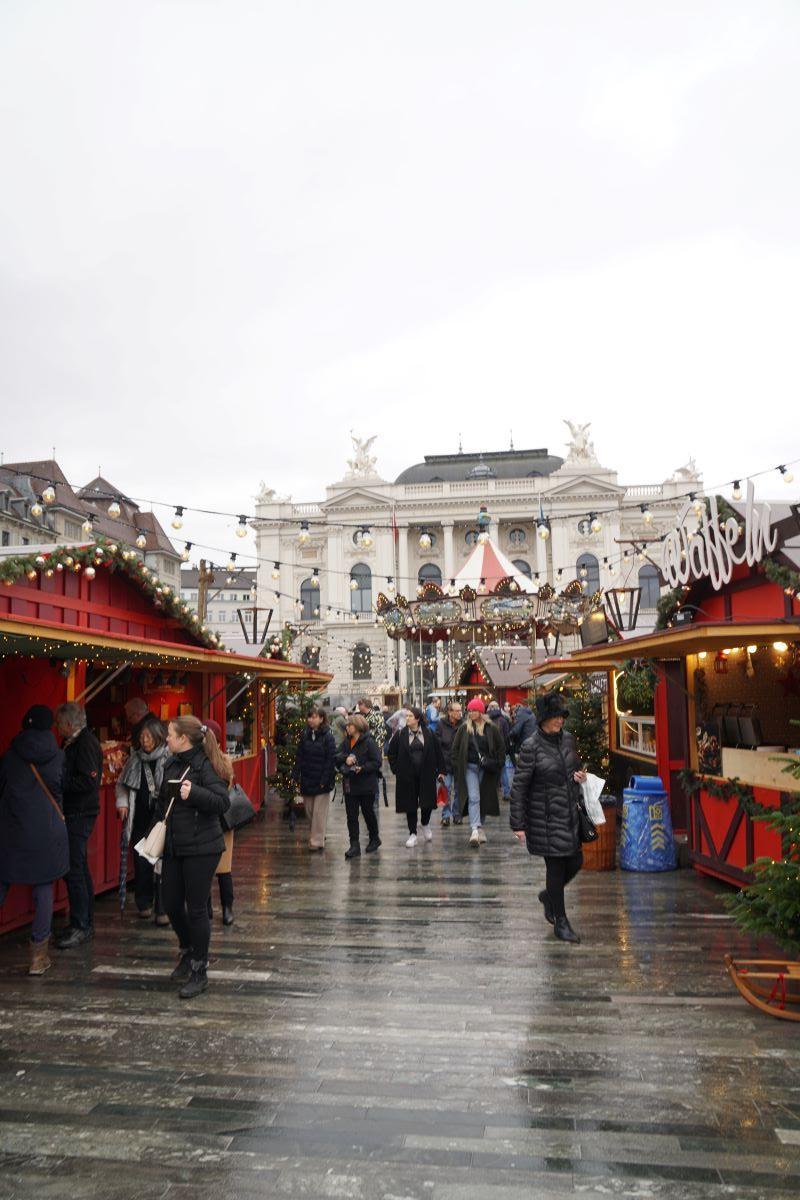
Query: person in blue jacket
x,y
34,849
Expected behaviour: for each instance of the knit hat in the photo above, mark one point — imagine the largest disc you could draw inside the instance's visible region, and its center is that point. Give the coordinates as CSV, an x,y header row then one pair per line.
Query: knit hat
x,y
38,716
493,707
215,728
551,704
476,705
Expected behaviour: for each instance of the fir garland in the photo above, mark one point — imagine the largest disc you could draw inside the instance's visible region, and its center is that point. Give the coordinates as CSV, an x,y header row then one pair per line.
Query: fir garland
x,y
104,553
722,789
785,577
667,606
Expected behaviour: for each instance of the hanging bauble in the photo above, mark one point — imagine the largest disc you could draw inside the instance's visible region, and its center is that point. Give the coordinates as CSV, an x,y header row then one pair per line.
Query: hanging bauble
x,y
40,560
90,572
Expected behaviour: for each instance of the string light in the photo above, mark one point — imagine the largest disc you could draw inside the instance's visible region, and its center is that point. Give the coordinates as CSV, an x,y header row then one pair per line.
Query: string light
x,y
304,533
141,539
87,526
788,477
49,494
315,580
647,515
114,509
241,528
177,520
425,540
737,490
595,524
232,563
186,552
543,529
36,507
276,572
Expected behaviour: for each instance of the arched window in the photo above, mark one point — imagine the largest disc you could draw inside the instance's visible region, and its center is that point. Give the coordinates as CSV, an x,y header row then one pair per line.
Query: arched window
x,y
430,573
650,585
523,567
361,588
362,661
309,601
588,569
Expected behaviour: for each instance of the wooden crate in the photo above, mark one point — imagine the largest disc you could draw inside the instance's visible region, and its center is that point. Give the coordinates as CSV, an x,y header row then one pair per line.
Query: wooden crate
x,y
602,854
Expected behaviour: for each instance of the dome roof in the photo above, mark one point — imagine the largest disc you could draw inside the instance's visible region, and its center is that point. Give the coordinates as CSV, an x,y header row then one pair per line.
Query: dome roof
x,y
501,464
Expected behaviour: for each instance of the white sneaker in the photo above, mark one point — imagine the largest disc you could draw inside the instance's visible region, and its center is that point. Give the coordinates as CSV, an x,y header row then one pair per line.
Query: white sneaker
x,y
475,838
412,841
427,833
481,836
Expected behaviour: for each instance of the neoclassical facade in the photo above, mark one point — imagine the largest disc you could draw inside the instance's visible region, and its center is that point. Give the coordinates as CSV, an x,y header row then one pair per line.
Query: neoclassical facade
x,y
555,518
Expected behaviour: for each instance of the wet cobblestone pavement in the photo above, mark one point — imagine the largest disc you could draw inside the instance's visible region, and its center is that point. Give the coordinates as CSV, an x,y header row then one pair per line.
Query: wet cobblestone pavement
x,y
401,1027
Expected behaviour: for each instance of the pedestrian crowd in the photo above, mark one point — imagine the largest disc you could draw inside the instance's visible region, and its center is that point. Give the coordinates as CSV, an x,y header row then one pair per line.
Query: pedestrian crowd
x,y
177,784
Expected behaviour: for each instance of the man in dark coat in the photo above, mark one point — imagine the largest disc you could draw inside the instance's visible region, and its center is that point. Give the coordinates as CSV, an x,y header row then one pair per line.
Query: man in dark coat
x,y
521,730
33,836
83,771
544,799
446,731
415,756
498,717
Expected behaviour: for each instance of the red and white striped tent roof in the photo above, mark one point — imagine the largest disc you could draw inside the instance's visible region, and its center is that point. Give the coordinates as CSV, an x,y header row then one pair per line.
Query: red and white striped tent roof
x,y
488,563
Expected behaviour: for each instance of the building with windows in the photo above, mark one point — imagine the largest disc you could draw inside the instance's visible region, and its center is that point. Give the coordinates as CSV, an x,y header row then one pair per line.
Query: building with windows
x,y
557,519
40,507
228,593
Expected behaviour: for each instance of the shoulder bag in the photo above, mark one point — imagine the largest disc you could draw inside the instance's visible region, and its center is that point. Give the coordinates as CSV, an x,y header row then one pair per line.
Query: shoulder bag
x,y
240,811
587,830
152,846
47,791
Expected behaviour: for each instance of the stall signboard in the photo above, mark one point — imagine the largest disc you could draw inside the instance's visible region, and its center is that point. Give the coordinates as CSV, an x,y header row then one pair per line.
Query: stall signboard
x,y
718,547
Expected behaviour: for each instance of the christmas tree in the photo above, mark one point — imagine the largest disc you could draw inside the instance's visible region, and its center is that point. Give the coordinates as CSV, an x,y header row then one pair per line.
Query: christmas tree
x,y
771,904
587,725
291,713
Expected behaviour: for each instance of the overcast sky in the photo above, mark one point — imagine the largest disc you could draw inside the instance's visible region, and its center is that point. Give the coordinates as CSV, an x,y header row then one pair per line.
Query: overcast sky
x,y
230,232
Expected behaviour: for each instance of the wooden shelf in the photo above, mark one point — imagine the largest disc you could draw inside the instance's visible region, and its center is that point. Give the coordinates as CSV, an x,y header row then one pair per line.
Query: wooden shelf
x,y
759,768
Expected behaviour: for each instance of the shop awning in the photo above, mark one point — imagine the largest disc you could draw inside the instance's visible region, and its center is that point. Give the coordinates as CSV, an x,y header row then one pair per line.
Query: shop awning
x,y
39,639
677,642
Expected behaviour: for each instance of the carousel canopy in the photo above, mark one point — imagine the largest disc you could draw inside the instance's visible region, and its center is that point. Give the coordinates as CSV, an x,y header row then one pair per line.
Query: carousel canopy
x,y
486,566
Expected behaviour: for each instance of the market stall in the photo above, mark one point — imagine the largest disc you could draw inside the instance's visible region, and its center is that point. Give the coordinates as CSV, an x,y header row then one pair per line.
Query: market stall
x,y
91,623
726,701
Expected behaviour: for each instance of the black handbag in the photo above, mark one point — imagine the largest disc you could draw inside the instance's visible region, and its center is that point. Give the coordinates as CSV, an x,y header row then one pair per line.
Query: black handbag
x,y
240,811
587,830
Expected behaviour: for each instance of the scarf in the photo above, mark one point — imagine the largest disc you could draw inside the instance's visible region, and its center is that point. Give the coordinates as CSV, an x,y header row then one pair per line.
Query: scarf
x,y
131,776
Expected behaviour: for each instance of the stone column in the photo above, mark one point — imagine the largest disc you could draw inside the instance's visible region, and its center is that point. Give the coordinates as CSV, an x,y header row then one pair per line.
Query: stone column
x,y
403,582
449,557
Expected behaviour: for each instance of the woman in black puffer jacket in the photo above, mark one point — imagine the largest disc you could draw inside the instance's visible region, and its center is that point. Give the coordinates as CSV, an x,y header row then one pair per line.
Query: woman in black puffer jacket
x,y
544,806
314,770
195,777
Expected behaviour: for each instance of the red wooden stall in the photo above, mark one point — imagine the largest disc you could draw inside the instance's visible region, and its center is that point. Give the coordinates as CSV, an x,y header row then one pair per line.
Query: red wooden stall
x,y
105,639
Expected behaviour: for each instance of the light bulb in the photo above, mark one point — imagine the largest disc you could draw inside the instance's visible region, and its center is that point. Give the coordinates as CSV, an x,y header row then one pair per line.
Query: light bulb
x,y
49,494
788,477
425,542
114,509
647,516
353,585
141,540
781,647
543,531
276,571
232,563
752,649
36,509
87,525
241,528
304,533
177,520
596,525
737,490
703,654
315,580
187,549
366,539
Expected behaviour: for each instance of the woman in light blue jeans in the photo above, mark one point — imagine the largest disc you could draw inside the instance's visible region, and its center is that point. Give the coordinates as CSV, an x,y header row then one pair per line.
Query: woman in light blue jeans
x,y
478,754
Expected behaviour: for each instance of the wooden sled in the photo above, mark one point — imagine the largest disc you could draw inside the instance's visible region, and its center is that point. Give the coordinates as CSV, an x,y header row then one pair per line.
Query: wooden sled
x,y
770,984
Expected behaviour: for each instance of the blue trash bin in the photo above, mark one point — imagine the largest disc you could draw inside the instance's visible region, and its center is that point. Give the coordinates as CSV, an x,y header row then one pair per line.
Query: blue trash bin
x,y
646,842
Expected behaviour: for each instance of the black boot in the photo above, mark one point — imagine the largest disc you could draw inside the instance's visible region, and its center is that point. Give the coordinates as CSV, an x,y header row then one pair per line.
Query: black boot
x,y
565,932
183,971
74,937
544,900
354,851
197,981
373,844
227,915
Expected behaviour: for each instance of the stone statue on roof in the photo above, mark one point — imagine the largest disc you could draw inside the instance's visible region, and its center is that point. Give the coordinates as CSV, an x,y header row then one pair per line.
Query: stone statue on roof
x,y
362,464
684,474
581,448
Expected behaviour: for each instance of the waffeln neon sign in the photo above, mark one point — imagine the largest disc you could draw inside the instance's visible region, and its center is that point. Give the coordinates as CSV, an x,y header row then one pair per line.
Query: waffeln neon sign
x,y
717,547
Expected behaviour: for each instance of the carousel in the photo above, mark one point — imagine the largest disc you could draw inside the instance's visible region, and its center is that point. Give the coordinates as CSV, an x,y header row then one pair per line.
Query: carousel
x,y
489,603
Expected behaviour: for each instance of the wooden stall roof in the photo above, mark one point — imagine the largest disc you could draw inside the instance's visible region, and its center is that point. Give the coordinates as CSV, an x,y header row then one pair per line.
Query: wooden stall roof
x,y
41,639
679,641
